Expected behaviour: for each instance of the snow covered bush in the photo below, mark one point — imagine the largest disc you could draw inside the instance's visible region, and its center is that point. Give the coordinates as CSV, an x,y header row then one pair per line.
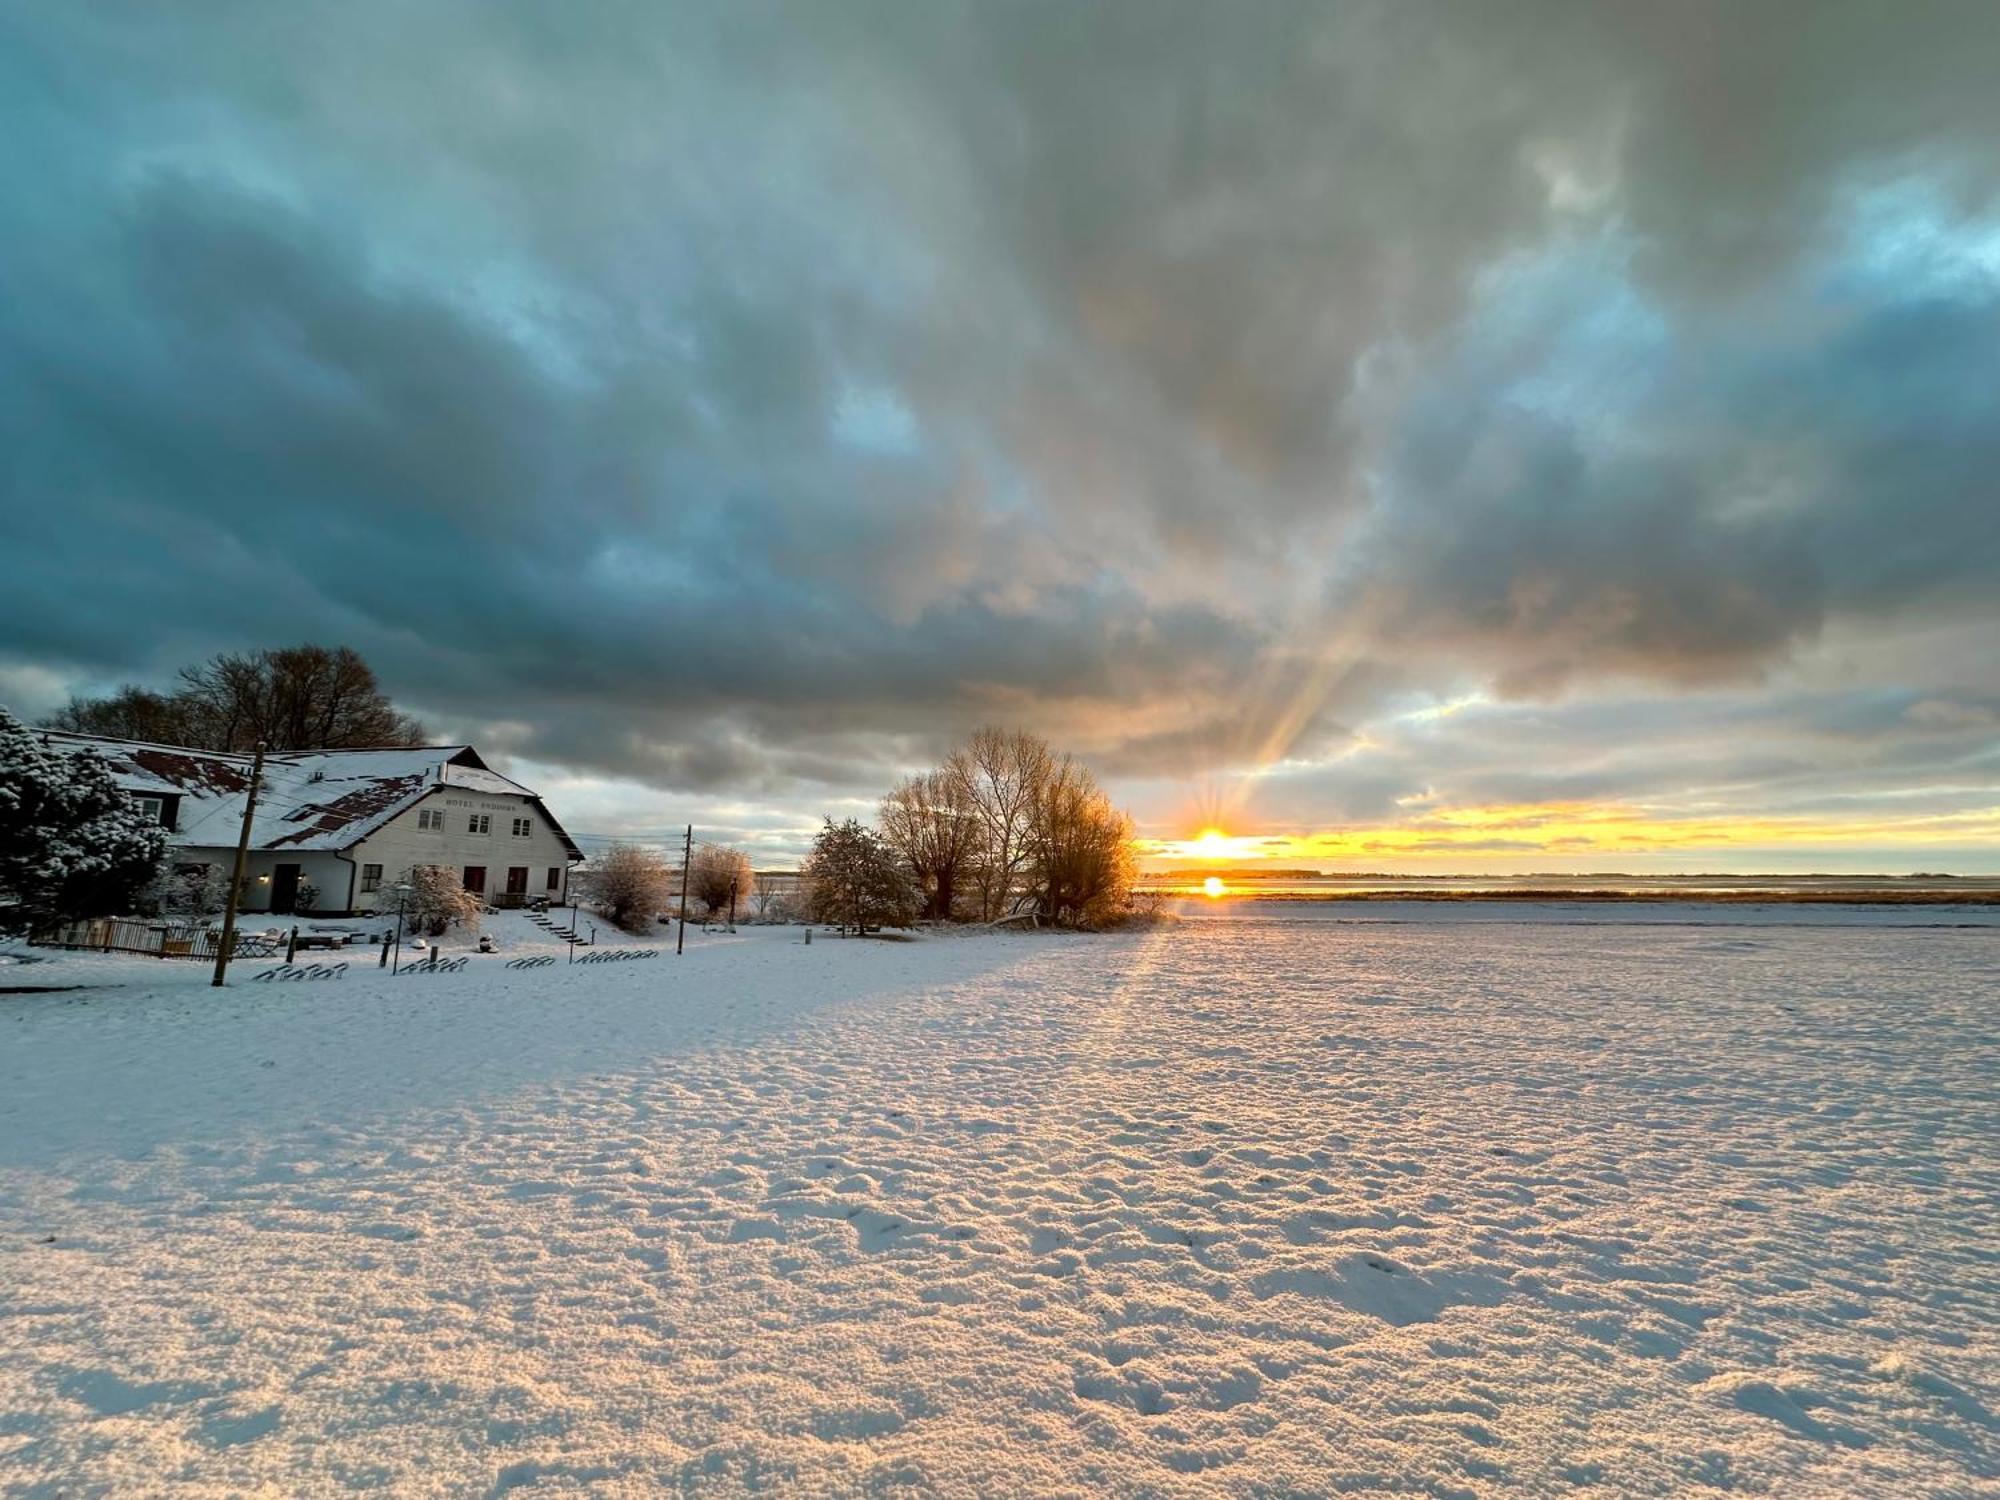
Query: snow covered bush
x,y
192,892
629,886
438,900
72,845
856,881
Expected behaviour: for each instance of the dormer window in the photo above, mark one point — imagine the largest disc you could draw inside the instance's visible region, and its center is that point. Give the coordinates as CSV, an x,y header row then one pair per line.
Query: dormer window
x,y
151,807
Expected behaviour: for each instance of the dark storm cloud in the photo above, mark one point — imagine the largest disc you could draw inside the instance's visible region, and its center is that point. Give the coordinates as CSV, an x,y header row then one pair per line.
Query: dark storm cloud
x,y
752,397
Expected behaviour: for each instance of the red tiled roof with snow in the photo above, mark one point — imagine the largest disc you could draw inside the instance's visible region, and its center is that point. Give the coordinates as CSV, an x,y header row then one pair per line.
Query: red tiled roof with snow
x,y
314,799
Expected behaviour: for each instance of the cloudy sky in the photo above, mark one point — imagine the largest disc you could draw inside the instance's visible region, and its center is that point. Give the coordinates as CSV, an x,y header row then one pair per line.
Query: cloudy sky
x,y
1424,436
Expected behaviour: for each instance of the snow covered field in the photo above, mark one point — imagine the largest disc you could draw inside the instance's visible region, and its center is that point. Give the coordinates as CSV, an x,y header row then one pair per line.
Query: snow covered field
x,y
1266,1204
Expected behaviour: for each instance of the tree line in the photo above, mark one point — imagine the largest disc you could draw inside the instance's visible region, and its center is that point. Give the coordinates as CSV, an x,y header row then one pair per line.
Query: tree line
x,y
1004,827
305,697
631,887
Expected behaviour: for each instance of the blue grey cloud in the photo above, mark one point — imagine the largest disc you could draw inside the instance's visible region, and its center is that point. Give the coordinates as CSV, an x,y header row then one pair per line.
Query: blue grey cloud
x,y
747,399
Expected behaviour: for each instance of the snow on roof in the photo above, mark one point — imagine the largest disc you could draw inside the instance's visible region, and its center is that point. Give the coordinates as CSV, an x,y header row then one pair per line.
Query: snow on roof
x,y
312,799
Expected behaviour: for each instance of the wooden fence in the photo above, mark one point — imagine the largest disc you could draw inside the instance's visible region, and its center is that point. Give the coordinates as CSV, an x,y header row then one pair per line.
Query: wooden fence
x,y
152,939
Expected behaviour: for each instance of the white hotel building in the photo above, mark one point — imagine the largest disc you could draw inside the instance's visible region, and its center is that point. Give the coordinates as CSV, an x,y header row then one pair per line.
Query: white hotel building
x,y
338,828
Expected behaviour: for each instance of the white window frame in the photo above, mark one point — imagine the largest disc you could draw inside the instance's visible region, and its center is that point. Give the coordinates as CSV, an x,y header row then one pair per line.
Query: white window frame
x,y
479,823
430,820
524,828
371,879
151,806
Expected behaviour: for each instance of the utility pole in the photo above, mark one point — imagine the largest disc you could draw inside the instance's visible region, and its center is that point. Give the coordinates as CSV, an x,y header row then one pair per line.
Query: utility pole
x,y
236,875
687,858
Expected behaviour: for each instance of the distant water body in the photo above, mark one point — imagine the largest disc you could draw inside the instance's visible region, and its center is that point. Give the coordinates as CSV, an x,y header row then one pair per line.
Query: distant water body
x,y
1874,889
1692,900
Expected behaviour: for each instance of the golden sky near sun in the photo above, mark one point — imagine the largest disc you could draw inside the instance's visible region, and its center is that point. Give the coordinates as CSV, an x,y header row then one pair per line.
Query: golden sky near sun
x,y
1569,829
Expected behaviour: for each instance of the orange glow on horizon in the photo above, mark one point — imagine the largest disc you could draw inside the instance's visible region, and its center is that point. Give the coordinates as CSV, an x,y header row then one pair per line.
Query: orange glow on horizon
x,y
1213,887
1539,831
1210,844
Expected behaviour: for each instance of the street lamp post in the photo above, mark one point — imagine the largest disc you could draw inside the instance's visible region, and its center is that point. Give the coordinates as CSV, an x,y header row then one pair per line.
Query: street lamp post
x,y
402,895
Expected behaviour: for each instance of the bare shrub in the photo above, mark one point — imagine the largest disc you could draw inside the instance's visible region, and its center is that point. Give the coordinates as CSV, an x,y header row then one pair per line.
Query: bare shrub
x,y
629,886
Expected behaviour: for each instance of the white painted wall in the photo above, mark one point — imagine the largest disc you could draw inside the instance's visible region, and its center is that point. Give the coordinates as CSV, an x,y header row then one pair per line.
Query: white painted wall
x,y
327,872
401,843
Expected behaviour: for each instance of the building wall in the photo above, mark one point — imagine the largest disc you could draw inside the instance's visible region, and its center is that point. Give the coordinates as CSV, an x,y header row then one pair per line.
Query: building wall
x,y
327,871
403,842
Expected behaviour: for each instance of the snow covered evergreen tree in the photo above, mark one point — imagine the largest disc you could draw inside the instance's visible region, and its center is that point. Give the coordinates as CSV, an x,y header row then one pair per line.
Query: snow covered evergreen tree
x,y
72,844
857,881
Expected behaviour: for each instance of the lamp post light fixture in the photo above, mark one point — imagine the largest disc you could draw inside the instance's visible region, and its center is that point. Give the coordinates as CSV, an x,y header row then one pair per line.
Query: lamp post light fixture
x,y
402,896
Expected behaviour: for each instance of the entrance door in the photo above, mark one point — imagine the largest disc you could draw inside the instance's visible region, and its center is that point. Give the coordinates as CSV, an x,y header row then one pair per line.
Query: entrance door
x,y
284,888
475,879
517,885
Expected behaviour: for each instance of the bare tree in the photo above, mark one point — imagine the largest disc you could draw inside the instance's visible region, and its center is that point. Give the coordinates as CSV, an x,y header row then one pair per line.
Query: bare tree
x,y
999,773
769,895
930,821
297,698
1081,863
719,875
131,713
294,698
630,886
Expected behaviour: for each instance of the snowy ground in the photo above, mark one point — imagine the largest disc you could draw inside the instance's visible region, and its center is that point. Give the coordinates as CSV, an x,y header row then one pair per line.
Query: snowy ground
x,y
1264,1204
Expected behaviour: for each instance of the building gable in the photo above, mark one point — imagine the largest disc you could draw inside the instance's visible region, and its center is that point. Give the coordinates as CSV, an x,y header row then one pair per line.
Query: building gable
x,y
311,800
